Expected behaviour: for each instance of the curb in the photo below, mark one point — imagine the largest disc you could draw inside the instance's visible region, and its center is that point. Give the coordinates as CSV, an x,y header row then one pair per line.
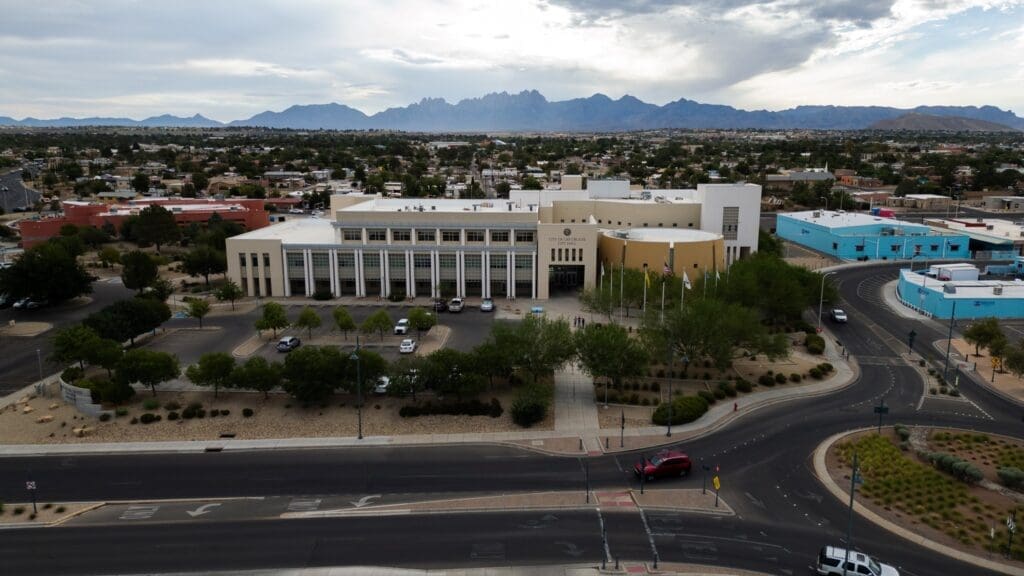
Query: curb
x,y
821,472
55,521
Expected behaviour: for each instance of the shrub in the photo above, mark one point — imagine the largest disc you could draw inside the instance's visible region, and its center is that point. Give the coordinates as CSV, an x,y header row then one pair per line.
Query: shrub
x,y
72,374
707,396
214,413
120,411
954,392
816,373
172,415
707,376
104,417
933,390
743,386
655,387
150,404
718,393
19,510
921,362
149,418
727,388
661,372
815,344
195,406
247,412
825,367
959,468
634,398
467,408
794,377
60,509
645,402
531,405
684,409
766,380
201,413
134,420
902,432
780,378
172,405
1011,477
188,413
224,411
613,397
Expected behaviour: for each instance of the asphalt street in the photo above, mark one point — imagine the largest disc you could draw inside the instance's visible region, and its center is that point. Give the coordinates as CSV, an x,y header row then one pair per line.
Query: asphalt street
x,y
783,514
13,193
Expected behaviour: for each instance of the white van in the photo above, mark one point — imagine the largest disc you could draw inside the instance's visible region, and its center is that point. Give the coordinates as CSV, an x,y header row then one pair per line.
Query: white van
x,y
830,562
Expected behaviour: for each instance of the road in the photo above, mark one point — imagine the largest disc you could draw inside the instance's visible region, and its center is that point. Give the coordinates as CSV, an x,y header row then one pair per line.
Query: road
x,y
783,513
13,193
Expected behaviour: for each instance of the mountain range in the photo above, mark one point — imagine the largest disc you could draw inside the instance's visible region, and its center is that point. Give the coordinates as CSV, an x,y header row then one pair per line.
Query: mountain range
x,y
530,111
929,122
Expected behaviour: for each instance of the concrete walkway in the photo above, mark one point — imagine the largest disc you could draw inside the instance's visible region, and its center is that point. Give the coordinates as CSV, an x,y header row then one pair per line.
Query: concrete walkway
x,y
665,569
575,410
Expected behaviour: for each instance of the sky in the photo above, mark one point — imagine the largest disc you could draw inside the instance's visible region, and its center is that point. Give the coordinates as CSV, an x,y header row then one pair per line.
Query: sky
x,y
230,59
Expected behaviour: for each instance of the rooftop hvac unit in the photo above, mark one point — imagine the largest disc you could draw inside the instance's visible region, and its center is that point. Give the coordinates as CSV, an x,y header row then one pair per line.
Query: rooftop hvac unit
x,y
433,207
997,290
989,227
949,288
816,214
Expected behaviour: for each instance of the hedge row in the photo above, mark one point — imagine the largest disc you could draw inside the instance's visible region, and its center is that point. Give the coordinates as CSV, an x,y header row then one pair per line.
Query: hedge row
x,y
531,404
470,408
684,409
958,467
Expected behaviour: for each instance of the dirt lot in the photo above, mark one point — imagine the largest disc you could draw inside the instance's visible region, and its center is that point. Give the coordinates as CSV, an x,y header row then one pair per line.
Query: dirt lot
x,y
280,416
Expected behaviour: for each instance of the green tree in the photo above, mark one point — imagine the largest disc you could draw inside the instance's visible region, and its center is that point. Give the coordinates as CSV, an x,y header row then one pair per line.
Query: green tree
x,y
156,225
449,372
536,344
405,376
204,260
1013,359
600,301
126,319
312,373
501,189
74,344
46,272
229,291
343,320
491,361
379,322
421,320
140,182
981,333
371,367
258,374
769,244
109,256
147,367
273,318
106,353
214,369
308,319
531,183
161,289
608,351
198,309
138,271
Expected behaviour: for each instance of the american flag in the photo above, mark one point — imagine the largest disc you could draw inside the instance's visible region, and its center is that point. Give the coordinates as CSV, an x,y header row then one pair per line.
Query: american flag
x,y
666,269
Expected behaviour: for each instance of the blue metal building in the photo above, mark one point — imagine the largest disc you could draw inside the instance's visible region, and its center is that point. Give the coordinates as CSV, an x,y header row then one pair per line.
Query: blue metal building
x,y
857,236
972,298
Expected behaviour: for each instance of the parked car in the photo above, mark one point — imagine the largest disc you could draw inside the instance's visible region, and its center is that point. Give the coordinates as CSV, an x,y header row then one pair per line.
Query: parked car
x,y
487,305
6,301
295,211
440,305
455,305
838,315
408,346
402,327
382,386
663,464
831,559
288,343
29,304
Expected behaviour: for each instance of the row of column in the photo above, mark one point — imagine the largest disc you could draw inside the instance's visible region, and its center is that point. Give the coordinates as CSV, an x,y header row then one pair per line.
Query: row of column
x,y
410,273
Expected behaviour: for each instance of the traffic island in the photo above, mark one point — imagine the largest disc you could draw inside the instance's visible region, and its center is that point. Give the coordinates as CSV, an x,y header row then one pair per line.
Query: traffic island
x,y
922,485
24,514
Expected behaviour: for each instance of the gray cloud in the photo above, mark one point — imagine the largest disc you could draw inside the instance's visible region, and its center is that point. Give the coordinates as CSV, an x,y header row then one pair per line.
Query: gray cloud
x,y
855,11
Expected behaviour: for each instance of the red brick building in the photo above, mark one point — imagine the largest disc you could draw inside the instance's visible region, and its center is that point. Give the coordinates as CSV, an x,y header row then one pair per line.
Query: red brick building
x,y
249,213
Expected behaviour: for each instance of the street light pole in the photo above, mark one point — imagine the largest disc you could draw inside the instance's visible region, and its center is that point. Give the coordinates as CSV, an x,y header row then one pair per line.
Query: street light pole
x,y
821,297
359,388
949,341
39,362
849,526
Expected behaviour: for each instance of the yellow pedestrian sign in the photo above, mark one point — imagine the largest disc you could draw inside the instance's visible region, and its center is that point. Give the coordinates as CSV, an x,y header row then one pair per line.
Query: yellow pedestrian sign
x,y
717,483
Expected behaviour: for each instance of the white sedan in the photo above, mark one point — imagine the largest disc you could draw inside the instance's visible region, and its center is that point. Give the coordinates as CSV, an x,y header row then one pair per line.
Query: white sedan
x,y
408,346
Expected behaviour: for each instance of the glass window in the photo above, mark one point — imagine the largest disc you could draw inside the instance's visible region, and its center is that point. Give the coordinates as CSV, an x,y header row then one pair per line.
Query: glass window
x,y
934,247
352,234
859,248
346,260
421,260
266,260
474,236
524,236
255,260
425,236
895,247
377,235
954,247
241,260
295,259
320,259
446,260
451,236
523,262
401,235
553,255
371,260
499,235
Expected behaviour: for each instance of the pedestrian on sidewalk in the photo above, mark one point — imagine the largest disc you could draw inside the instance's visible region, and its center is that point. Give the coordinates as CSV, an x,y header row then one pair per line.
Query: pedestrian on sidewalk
x,y
735,406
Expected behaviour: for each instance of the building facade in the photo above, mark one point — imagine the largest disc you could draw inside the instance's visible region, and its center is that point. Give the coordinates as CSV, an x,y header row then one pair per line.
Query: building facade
x,y
960,299
856,236
532,245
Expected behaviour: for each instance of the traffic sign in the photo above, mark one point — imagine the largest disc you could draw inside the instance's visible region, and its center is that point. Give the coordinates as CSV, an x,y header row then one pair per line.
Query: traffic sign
x,y
1010,524
717,483
30,485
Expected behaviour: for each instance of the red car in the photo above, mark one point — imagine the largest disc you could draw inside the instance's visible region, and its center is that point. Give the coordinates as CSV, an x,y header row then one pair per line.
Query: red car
x,y
663,464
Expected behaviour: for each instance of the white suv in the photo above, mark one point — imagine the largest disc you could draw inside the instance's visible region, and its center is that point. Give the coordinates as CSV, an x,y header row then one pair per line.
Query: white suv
x,y
831,559
402,327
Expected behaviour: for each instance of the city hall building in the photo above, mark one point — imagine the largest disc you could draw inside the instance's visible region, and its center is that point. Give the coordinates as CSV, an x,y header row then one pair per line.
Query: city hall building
x,y
532,245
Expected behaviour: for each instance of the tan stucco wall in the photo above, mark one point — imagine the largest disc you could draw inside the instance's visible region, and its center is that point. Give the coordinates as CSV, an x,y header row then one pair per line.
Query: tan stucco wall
x,y
693,257
259,247
612,214
553,236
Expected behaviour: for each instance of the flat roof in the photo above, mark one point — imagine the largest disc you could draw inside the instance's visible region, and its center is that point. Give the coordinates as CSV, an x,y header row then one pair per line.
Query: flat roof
x,y
297,231
438,205
1001,232
927,197
968,289
843,219
663,235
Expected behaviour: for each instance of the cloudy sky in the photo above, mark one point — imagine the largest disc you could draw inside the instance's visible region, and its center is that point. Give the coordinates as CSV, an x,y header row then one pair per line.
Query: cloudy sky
x,y
231,59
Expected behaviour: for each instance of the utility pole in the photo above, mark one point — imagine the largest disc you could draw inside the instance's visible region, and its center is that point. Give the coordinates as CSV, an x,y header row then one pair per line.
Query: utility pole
x,y
949,341
359,387
854,477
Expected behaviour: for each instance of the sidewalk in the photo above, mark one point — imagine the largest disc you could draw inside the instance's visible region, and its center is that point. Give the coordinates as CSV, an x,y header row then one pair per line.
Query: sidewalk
x,y
575,410
666,569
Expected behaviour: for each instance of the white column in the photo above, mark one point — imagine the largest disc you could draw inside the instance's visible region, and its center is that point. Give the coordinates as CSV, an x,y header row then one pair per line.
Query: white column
x,y
510,273
533,266
307,256
435,275
485,271
332,255
410,275
360,286
385,274
287,282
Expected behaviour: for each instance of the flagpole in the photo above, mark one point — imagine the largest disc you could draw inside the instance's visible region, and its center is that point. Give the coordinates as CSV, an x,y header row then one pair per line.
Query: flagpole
x,y
663,299
645,290
682,290
705,283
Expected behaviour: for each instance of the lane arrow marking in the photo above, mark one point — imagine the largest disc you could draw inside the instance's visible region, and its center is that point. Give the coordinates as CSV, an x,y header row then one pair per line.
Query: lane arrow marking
x,y
365,500
204,509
